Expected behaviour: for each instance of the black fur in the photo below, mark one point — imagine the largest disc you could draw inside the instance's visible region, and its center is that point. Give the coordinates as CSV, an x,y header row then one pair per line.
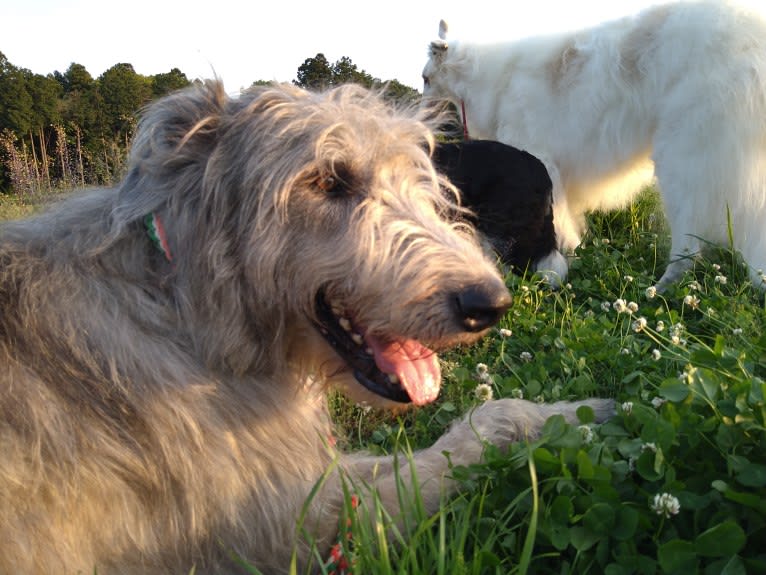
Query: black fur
x,y
510,193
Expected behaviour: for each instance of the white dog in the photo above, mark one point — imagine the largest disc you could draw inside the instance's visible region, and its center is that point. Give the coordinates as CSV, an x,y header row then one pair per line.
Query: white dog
x,y
680,88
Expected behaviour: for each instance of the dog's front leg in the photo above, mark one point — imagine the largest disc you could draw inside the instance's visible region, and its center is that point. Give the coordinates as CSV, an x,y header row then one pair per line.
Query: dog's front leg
x,y
497,422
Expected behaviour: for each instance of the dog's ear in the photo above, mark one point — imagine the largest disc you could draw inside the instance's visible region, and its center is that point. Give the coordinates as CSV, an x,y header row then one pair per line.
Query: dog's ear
x,y
173,142
443,30
438,48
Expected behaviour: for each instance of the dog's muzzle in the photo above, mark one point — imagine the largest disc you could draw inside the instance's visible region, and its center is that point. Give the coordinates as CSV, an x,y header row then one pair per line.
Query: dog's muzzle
x,y
351,347
400,369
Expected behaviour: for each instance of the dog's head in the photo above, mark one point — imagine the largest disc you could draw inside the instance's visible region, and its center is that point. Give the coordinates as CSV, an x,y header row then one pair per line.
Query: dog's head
x,y
444,68
311,230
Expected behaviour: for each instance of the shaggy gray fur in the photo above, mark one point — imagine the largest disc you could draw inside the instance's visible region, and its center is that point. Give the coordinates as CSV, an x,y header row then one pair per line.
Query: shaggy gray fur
x,y
157,415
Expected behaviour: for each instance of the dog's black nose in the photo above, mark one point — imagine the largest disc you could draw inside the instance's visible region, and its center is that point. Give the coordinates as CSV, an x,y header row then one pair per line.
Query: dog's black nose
x,y
480,306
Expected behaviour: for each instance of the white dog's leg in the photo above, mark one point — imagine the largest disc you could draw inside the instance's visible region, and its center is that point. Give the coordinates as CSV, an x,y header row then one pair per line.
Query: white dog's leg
x,y
674,272
554,267
685,199
684,245
567,224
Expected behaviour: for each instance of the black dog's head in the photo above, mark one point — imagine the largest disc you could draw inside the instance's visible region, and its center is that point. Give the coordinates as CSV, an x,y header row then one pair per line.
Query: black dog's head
x,y
509,192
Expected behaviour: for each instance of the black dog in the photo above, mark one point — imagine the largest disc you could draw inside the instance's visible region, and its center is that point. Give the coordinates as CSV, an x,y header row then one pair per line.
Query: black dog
x,y
510,193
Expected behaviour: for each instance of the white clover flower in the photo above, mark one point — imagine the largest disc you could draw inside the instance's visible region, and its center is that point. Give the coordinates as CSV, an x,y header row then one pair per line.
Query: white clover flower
x,y
624,351
656,354
692,301
639,324
605,306
665,504
660,326
587,434
651,292
627,407
737,331
628,278
540,399
694,285
525,289
525,356
721,279
649,446
716,267
620,306
505,332
605,241
483,372
632,307
657,402
483,392
518,393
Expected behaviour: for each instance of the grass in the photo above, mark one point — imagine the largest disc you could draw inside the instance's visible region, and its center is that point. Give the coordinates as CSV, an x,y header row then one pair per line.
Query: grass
x,y
675,483
687,368
13,207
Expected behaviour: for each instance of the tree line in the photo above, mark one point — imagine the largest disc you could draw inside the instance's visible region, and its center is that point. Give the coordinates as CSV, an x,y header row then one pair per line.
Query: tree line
x,y
70,129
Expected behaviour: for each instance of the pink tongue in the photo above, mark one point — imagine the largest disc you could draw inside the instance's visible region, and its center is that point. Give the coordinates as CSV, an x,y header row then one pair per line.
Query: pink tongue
x,y
416,366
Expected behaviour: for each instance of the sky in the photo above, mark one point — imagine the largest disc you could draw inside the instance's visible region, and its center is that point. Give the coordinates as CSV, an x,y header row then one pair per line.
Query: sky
x,y
242,41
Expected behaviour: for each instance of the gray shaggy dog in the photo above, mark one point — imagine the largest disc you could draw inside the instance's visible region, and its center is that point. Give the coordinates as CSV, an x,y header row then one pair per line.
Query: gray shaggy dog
x,y
161,399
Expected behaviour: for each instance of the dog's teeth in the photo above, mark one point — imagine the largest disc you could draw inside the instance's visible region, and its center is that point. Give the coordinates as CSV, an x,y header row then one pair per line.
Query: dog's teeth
x,y
345,324
336,310
357,339
393,378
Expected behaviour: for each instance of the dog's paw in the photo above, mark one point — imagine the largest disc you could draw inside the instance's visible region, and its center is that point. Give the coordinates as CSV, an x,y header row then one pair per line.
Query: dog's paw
x,y
673,274
506,420
603,409
554,268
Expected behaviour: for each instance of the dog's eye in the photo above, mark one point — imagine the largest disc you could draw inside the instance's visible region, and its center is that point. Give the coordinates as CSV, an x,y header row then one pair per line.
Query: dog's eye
x,y
333,186
327,184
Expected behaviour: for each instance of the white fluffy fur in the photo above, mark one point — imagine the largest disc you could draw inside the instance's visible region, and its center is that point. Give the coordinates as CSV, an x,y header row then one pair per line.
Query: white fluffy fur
x,y
680,88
